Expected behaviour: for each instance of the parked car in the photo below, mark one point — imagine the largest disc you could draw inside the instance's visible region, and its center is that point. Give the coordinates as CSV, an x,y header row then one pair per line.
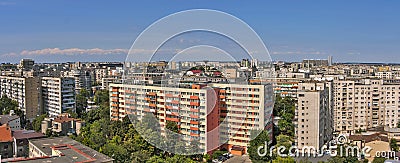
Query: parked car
x,y
222,158
216,161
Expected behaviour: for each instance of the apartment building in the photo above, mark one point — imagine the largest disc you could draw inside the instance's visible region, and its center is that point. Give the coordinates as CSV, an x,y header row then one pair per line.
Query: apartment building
x,y
244,108
186,106
366,103
82,78
314,115
24,90
229,111
58,95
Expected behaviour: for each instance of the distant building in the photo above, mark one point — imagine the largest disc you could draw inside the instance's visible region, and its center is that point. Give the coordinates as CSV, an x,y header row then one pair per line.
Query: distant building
x,y
309,63
26,64
230,73
58,95
13,121
330,60
91,106
83,79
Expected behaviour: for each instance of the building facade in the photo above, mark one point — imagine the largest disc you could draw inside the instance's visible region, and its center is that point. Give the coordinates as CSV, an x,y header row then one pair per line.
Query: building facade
x,y
314,115
229,110
58,95
24,90
361,104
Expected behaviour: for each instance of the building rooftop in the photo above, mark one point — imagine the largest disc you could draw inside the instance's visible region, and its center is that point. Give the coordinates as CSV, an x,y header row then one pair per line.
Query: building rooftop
x,y
64,118
26,134
5,133
7,118
69,151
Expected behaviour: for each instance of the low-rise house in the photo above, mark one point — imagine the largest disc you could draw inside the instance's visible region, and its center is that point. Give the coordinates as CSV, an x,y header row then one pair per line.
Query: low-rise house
x,y
21,141
6,141
62,125
13,121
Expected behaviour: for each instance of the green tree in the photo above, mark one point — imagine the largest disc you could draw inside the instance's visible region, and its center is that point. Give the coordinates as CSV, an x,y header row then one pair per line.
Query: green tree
x,y
101,97
7,104
284,140
156,159
261,139
207,157
285,109
283,160
81,101
96,134
117,152
379,160
103,112
172,126
178,158
37,122
393,145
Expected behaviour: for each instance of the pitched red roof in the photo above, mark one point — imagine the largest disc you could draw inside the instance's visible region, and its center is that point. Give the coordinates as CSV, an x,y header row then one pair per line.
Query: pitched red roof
x,y
5,133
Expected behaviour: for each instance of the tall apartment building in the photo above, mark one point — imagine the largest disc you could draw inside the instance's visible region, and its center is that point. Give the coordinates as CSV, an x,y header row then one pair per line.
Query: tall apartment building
x,y
24,90
83,79
366,103
314,115
244,108
199,109
185,106
58,95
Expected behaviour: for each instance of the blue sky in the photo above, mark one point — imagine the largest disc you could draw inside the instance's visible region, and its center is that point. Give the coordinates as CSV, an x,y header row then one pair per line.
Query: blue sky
x,y
350,31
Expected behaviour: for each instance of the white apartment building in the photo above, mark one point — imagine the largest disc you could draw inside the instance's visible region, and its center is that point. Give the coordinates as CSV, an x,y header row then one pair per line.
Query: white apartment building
x,y
366,103
24,90
314,115
58,95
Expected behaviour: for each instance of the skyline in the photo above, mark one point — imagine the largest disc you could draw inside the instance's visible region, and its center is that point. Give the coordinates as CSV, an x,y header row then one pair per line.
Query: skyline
x,y
64,31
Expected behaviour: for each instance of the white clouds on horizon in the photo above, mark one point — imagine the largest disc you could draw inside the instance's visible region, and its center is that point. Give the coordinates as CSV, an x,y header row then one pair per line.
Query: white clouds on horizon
x,y
98,51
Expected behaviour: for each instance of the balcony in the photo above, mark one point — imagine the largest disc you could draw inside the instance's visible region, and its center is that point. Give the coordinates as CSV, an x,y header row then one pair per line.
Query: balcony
x,y
194,110
195,103
194,122
172,119
194,97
